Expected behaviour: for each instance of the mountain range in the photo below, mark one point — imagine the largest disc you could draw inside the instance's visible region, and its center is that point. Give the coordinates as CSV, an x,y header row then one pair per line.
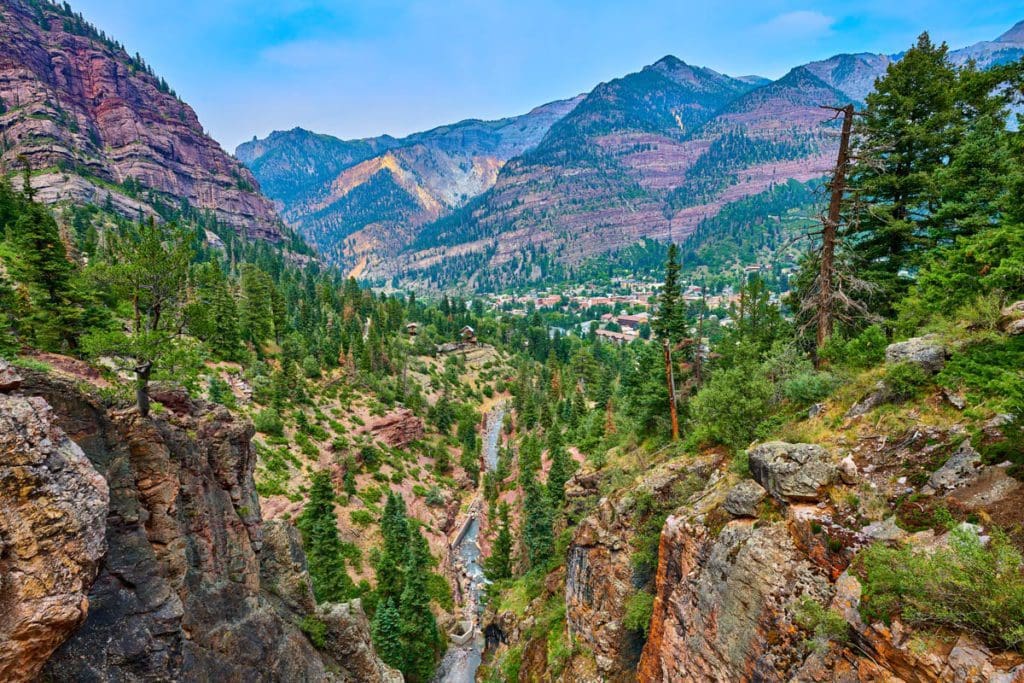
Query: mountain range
x,y
654,154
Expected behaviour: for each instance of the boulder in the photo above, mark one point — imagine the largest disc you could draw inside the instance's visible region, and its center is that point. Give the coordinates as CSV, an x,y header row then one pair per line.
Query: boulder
x,y
962,468
1012,319
743,499
848,470
927,352
792,472
9,377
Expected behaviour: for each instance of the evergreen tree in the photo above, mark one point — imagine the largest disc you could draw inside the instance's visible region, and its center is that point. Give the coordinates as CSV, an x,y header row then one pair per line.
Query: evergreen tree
x,y
499,564
905,134
319,528
538,534
387,634
670,323
150,271
40,263
561,467
420,637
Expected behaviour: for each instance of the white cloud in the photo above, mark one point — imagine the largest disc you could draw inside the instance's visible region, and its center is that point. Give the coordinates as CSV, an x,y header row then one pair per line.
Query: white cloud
x,y
798,24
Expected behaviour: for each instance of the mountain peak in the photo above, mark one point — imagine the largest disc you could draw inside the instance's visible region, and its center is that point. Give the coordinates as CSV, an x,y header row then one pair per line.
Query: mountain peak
x,y
670,62
1014,35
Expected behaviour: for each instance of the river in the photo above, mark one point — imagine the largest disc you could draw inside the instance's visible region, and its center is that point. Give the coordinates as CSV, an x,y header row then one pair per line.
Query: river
x,y
462,660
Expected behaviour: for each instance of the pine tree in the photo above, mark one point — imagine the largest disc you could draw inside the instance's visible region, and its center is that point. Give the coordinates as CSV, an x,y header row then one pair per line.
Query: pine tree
x,y
150,271
319,528
499,564
420,637
387,634
391,570
561,467
670,323
906,134
40,263
538,534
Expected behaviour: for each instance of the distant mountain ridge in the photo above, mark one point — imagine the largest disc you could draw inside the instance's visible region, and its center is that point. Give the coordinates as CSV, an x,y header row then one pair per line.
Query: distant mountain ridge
x,y
355,196
654,154
96,125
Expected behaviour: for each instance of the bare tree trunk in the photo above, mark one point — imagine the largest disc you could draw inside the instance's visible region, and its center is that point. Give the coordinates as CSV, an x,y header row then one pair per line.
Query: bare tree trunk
x,y
826,285
670,380
142,373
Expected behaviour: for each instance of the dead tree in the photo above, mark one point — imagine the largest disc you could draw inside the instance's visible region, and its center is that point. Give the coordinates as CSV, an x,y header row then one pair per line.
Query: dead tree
x,y
826,272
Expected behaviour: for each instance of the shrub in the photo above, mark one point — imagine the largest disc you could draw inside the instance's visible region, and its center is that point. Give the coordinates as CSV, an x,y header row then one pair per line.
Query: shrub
x,y
315,629
268,421
968,586
808,387
639,608
863,351
905,380
824,624
361,518
729,408
989,370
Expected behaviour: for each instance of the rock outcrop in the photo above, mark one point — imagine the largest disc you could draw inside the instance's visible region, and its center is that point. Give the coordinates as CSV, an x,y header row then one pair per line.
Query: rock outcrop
x,y
191,588
926,352
94,123
792,471
743,499
53,507
397,429
722,611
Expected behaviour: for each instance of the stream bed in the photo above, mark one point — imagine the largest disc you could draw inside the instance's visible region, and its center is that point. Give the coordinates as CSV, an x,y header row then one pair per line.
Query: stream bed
x,y
461,661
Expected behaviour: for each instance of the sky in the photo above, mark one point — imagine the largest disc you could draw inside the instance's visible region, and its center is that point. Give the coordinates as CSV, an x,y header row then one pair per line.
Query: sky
x,y
359,68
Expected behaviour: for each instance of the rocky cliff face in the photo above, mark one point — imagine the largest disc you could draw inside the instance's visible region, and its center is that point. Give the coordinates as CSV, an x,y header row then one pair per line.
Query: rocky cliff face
x,y
92,121
54,508
193,585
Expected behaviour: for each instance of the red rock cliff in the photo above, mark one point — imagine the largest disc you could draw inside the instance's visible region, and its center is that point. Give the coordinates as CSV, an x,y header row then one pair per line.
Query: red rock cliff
x,y
87,117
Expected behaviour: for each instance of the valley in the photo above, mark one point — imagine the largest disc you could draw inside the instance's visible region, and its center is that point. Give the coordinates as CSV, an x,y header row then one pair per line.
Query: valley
x,y
602,392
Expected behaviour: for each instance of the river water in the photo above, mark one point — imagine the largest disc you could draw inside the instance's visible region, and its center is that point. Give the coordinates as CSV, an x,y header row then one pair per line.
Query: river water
x,y
461,661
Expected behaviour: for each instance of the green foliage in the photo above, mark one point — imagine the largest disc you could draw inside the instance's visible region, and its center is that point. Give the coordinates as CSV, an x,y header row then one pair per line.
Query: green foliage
x,y
862,351
639,608
905,380
498,564
731,405
268,421
324,551
315,629
806,388
823,624
969,586
562,467
387,633
989,370
538,535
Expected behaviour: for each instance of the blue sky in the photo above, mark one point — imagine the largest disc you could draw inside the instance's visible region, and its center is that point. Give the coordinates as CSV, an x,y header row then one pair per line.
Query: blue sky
x,y
358,68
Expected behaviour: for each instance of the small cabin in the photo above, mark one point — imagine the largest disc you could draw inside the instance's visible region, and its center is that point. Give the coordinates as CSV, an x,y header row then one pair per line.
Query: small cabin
x,y
467,335
412,329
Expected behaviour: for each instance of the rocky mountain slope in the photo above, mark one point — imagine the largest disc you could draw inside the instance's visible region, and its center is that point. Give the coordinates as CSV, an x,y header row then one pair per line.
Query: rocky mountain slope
x,y
95,125
354,196
658,153
172,575
761,563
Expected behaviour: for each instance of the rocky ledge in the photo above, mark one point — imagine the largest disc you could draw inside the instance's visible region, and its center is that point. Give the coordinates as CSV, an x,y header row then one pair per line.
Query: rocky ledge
x,y
193,585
